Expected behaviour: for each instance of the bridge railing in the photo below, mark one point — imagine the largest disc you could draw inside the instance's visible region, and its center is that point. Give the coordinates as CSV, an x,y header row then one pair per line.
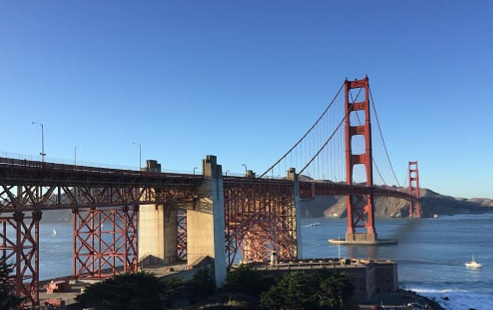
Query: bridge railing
x,y
7,158
37,158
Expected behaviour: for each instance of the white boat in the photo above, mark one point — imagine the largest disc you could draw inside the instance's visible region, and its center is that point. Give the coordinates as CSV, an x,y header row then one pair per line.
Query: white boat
x,y
315,224
473,264
53,234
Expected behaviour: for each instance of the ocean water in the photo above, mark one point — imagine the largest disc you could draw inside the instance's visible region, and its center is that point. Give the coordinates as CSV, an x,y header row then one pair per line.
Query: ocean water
x,y
431,254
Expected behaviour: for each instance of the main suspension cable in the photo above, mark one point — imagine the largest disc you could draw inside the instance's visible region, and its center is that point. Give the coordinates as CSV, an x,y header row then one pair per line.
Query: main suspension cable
x,y
306,134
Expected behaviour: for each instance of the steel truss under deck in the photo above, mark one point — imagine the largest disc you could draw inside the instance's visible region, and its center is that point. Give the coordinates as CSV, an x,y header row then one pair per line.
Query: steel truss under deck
x,y
260,218
105,205
105,242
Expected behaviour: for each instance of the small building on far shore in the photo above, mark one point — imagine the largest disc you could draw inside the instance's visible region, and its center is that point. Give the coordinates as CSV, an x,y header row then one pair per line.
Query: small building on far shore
x,y
370,277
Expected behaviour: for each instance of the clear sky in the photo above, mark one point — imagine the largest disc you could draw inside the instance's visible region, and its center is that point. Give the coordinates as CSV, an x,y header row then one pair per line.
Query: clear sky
x,y
243,80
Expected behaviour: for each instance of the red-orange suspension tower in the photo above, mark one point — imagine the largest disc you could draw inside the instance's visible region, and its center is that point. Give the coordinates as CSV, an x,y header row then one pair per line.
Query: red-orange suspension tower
x,y
414,207
360,211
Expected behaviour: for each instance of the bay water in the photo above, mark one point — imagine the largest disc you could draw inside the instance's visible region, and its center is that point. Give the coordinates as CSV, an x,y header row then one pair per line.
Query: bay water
x,y
431,254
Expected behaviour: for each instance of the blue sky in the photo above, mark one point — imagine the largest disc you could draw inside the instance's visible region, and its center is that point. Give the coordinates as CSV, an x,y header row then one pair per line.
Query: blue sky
x,y
243,80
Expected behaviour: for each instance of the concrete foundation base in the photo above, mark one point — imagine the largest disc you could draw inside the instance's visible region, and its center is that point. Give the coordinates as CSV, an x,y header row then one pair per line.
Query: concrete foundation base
x,y
361,242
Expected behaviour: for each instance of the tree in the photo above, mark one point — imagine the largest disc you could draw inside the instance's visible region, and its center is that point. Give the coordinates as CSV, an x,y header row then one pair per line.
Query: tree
x,y
8,300
245,280
132,291
294,291
201,286
173,290
334,290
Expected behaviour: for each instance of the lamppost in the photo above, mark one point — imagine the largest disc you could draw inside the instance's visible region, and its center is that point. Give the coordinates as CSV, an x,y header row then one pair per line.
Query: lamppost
x,y
75,154
227,172
42,141
140,154
194,168
246,169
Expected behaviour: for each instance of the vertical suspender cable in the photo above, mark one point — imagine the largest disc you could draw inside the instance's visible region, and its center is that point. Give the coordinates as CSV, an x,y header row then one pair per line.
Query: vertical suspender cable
x,y
301,139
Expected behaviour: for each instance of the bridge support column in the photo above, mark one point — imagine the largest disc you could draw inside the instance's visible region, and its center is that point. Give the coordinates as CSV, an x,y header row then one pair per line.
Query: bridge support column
x,y
293,176
158,233
205,224
158,230
360,209
414,206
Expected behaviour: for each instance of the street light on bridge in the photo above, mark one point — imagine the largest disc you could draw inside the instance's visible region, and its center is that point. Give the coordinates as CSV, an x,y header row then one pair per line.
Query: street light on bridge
x,y
42,140
194,168
246,169
75,154
140,154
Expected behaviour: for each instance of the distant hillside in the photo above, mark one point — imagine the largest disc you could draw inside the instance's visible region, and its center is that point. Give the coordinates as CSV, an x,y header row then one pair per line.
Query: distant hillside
x,y
431,203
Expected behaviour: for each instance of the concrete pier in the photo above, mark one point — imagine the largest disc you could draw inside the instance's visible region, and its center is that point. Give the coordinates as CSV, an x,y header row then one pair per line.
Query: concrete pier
x,y
205,223
362,242
157,235
294,178
157,230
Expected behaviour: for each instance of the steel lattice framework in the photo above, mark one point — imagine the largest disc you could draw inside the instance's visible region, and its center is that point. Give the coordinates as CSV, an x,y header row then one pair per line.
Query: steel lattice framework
x,y
105,242
260,218
181,245
20,244
98,197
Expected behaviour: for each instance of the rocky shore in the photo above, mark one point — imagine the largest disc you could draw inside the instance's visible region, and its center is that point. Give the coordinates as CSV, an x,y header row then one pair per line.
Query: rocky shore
x,y
402,299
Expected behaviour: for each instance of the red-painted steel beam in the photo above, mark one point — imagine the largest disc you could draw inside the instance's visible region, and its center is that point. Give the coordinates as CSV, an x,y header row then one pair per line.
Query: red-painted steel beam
x,y
56,186
20,246
105,242
260,217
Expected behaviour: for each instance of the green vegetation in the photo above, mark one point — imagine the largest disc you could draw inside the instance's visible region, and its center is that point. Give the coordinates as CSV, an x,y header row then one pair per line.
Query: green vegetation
x,y
8,300
126,291
247,281
201,287
245,288
296,290
142,290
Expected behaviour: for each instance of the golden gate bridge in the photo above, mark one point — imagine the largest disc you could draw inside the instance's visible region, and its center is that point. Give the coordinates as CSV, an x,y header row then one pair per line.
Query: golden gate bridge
x,y
122,216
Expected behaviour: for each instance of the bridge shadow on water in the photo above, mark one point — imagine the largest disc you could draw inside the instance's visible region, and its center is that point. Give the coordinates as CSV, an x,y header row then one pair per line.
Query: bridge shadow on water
x,y
401,230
